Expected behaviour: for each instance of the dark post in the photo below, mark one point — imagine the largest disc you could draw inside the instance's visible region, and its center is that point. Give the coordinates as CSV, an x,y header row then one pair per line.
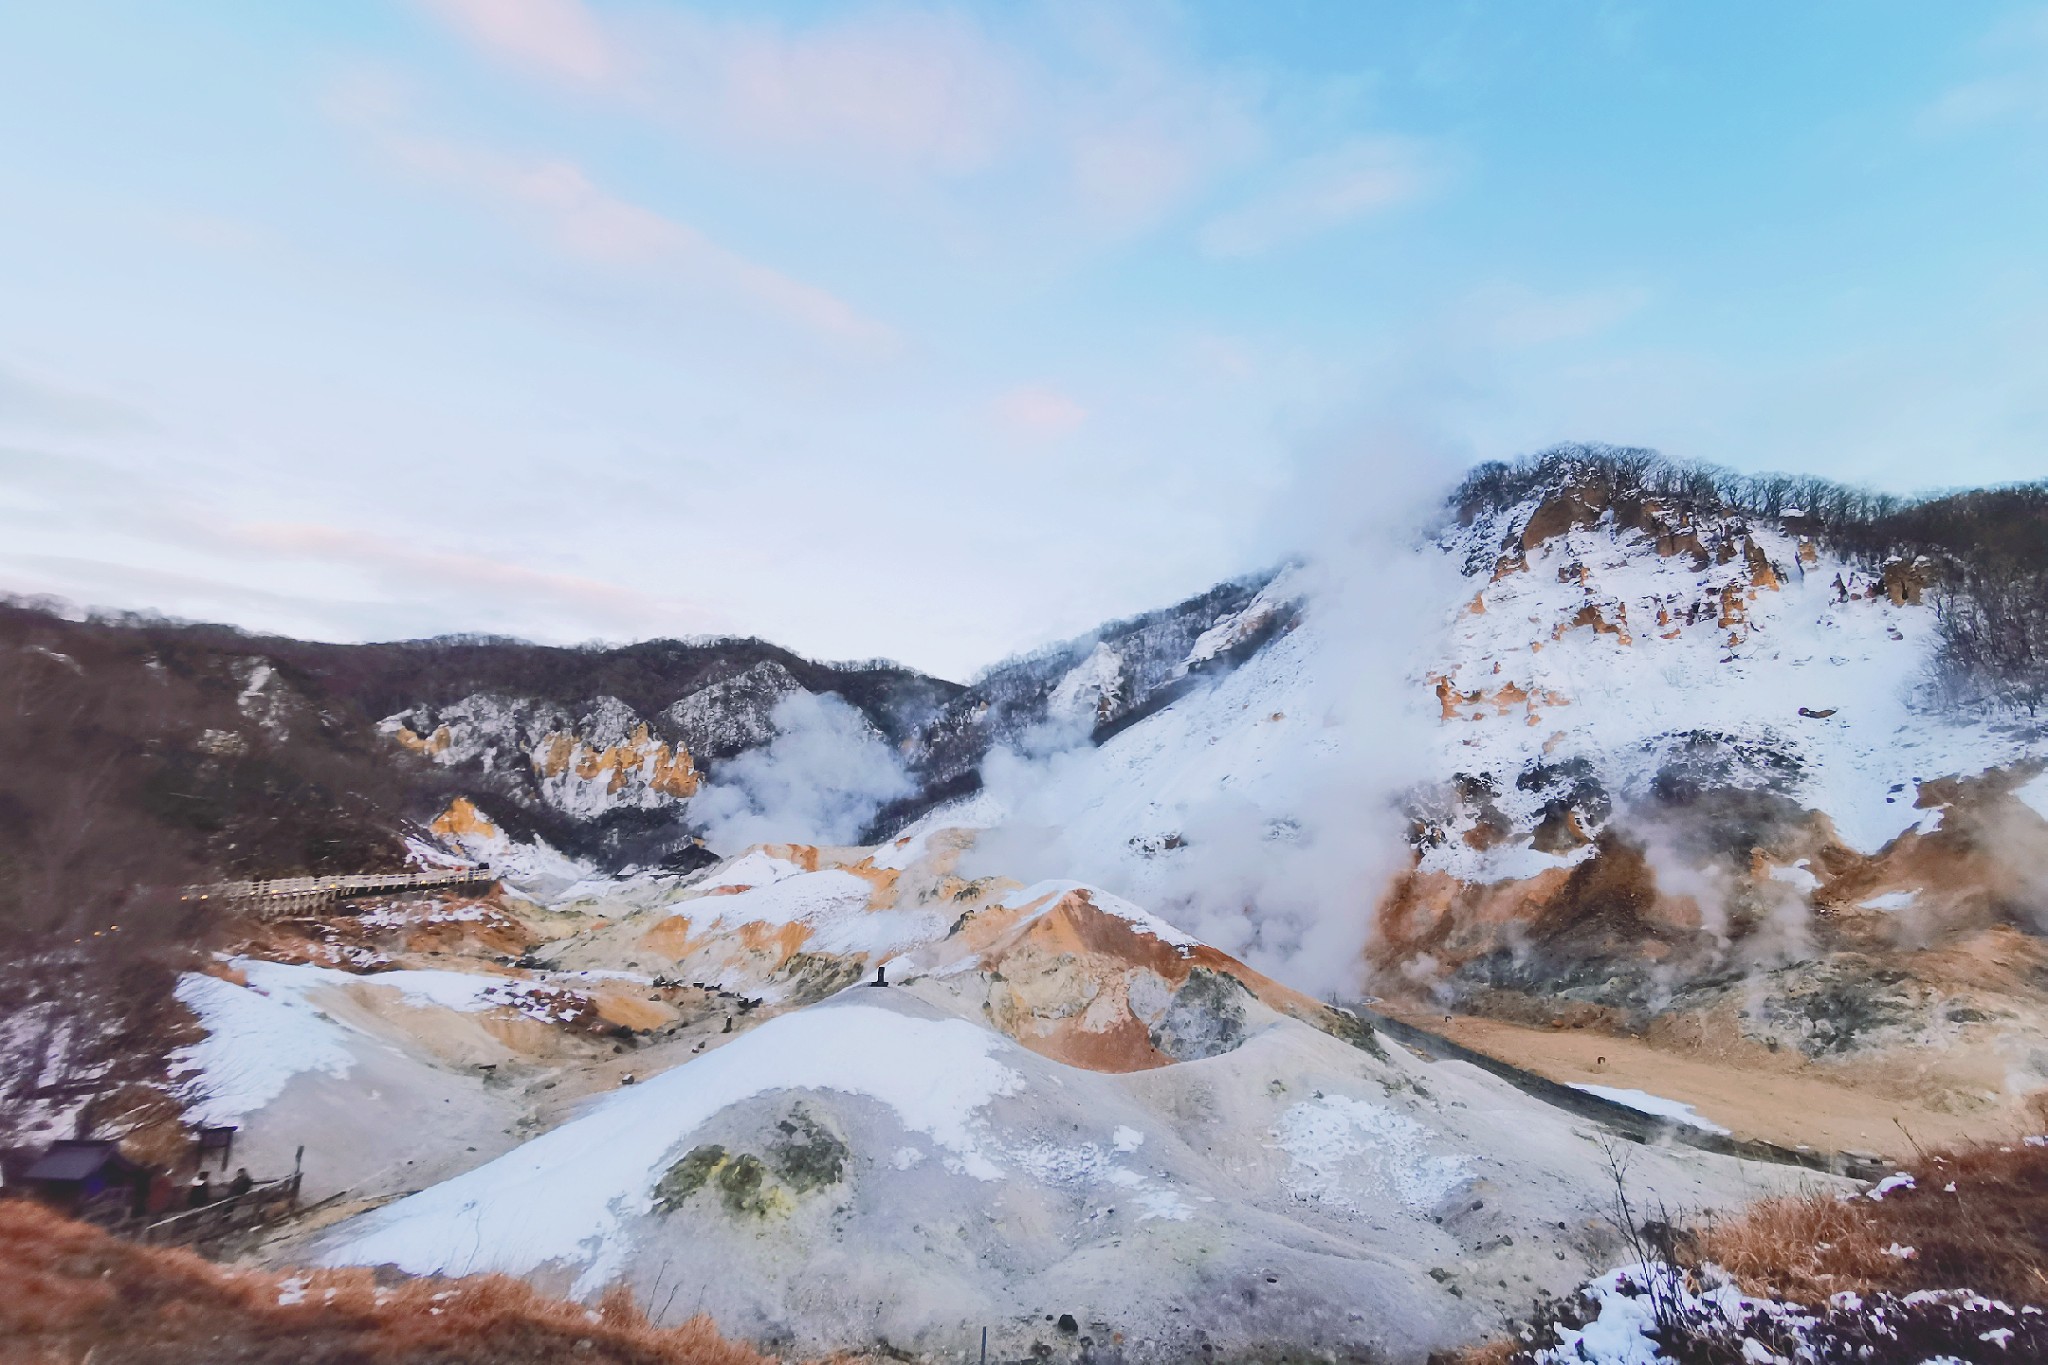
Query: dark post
x,y
984,1346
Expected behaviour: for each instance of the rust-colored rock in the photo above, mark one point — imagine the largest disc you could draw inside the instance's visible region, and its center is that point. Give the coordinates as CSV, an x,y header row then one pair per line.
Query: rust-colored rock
x,y
1558,514
1762,573
463,820
1904,583
436,743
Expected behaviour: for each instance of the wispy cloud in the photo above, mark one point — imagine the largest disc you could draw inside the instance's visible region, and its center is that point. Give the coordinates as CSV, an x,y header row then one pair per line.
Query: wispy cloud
x,y
897,89
2014,89
594,225
1099,109
1514,316
32,401
1319,194
1039,410
908,89
1146,125
404,569
561,38
121,535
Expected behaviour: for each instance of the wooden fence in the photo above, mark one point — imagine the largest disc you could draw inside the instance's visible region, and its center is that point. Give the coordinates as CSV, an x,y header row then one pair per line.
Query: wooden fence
x,y
264,1202
293,895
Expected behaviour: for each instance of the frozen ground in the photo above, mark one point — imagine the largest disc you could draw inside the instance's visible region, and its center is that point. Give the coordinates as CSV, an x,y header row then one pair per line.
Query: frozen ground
x,y
878,1171
1645,1102
892,1169
296,1059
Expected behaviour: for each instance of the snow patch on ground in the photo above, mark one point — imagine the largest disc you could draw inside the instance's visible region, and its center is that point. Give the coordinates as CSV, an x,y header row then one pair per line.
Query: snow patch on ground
x,y
473,992
805,896
1798,875
878,933
560,1197
1720,1317
1088,1165
1501,863
1050,892
1283,593
905,850
405,915
833,903
2035,794
1644,1102
258,1037
753,868
1090,689
535,870
1350,1153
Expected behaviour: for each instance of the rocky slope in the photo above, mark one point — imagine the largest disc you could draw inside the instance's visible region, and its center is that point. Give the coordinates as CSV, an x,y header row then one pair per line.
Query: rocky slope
x,y
1062,1119
220,746
1698,768
1669,769
1651,787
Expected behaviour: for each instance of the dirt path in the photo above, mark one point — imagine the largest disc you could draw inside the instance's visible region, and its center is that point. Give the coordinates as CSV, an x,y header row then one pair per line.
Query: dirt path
x,y
1780,1099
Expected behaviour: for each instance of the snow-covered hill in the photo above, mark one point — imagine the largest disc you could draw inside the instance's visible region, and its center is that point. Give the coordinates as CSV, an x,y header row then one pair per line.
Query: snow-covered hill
x,y
598,766
1597,763
1060,1110
1653,796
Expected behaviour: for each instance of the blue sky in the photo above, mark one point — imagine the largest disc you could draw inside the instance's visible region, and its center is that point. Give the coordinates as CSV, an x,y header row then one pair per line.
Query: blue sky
x,y
940,331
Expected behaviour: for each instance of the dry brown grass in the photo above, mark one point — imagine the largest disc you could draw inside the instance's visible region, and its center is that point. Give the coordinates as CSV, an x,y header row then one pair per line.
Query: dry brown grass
x,y
1989,1233
69,1292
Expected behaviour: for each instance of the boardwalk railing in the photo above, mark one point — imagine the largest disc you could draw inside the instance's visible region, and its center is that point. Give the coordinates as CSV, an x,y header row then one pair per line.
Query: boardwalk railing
x,y
264,1202
289,895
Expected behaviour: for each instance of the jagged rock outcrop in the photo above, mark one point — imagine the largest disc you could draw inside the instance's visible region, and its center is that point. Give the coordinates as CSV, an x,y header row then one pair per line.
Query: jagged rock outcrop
x,y
607,758
728,717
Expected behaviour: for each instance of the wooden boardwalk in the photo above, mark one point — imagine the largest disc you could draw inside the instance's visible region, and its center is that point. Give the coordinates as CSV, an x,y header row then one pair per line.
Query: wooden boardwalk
x,y
292,895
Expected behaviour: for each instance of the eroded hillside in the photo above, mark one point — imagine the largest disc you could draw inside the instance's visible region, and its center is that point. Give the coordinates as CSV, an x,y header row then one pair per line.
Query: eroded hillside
x,y
1697,811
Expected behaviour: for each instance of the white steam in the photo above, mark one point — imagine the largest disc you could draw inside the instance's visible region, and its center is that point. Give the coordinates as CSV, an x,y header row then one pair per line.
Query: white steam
x,y
1266,817
819,781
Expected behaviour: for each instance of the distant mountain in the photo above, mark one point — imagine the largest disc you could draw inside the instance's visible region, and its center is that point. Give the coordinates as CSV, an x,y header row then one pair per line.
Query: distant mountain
x,y
218,753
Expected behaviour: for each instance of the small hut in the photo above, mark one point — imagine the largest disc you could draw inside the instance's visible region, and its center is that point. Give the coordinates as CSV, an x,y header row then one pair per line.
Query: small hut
x,y
88,1178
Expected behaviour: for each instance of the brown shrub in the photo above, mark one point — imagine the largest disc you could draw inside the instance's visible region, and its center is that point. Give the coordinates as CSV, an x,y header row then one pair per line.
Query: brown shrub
x,y
1988,1233
69,1291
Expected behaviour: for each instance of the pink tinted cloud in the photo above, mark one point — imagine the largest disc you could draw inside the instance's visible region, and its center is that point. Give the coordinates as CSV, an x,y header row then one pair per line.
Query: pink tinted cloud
x,y
593,224
900,87
1318,194
559,37
1130,128
407,569
897,88
1040,411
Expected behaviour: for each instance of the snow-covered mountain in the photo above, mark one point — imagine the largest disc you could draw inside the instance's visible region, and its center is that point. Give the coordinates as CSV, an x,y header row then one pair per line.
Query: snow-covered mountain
x,y
1649,788
1633,761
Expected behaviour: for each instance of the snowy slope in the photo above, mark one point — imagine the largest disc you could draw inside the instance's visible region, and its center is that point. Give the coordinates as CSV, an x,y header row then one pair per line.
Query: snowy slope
x,y
1546,677
1594,644
880,1169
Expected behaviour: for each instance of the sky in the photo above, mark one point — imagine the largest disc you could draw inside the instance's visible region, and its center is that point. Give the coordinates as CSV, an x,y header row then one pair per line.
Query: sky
x,y
938,332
